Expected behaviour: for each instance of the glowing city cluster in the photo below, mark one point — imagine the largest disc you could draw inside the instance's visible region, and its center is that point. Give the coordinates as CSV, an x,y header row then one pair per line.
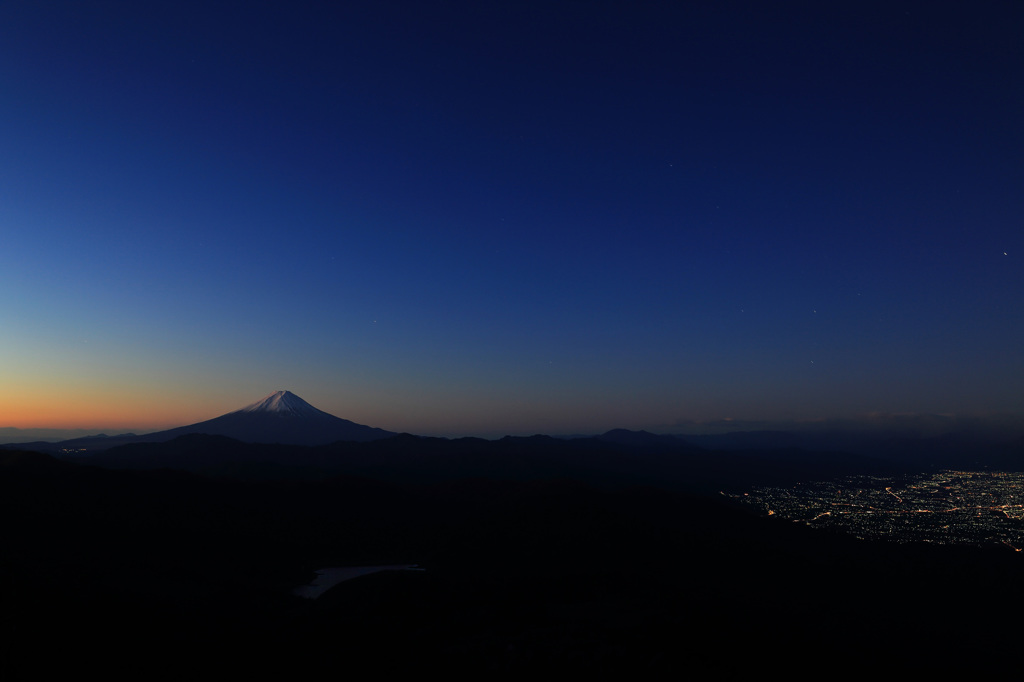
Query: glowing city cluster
x,y
950,507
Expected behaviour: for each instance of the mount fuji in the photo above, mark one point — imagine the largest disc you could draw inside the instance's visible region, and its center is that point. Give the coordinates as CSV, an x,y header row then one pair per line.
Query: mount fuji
x,y
281,417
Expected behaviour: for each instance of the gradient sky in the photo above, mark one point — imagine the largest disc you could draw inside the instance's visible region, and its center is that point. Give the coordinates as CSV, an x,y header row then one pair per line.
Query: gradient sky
x,y
510,217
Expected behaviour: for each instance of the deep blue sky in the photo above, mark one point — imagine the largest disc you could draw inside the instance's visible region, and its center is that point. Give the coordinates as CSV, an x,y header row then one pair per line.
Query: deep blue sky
x,y
510,217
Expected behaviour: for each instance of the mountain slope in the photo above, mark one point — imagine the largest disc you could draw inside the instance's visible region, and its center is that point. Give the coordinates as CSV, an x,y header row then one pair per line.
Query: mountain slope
x,y
281,417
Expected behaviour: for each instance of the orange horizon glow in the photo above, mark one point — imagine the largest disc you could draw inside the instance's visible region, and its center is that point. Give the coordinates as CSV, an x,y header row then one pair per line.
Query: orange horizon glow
x,y
49,403
113,409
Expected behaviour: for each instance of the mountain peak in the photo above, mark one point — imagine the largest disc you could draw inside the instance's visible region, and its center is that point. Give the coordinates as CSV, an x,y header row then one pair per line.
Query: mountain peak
x,y
282,403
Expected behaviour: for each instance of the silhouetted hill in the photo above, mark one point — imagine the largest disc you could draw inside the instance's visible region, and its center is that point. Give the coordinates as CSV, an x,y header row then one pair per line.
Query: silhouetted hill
x,y
642,439
609,462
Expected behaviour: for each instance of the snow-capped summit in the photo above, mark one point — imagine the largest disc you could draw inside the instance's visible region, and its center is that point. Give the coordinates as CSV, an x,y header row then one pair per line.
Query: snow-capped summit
x,y
283,403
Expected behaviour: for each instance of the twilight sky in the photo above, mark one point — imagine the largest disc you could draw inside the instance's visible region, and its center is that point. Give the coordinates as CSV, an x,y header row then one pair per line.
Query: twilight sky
x,y
491,217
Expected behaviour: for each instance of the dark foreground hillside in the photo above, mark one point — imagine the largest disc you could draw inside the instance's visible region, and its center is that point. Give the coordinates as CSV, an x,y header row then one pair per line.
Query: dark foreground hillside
x,y
141,574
